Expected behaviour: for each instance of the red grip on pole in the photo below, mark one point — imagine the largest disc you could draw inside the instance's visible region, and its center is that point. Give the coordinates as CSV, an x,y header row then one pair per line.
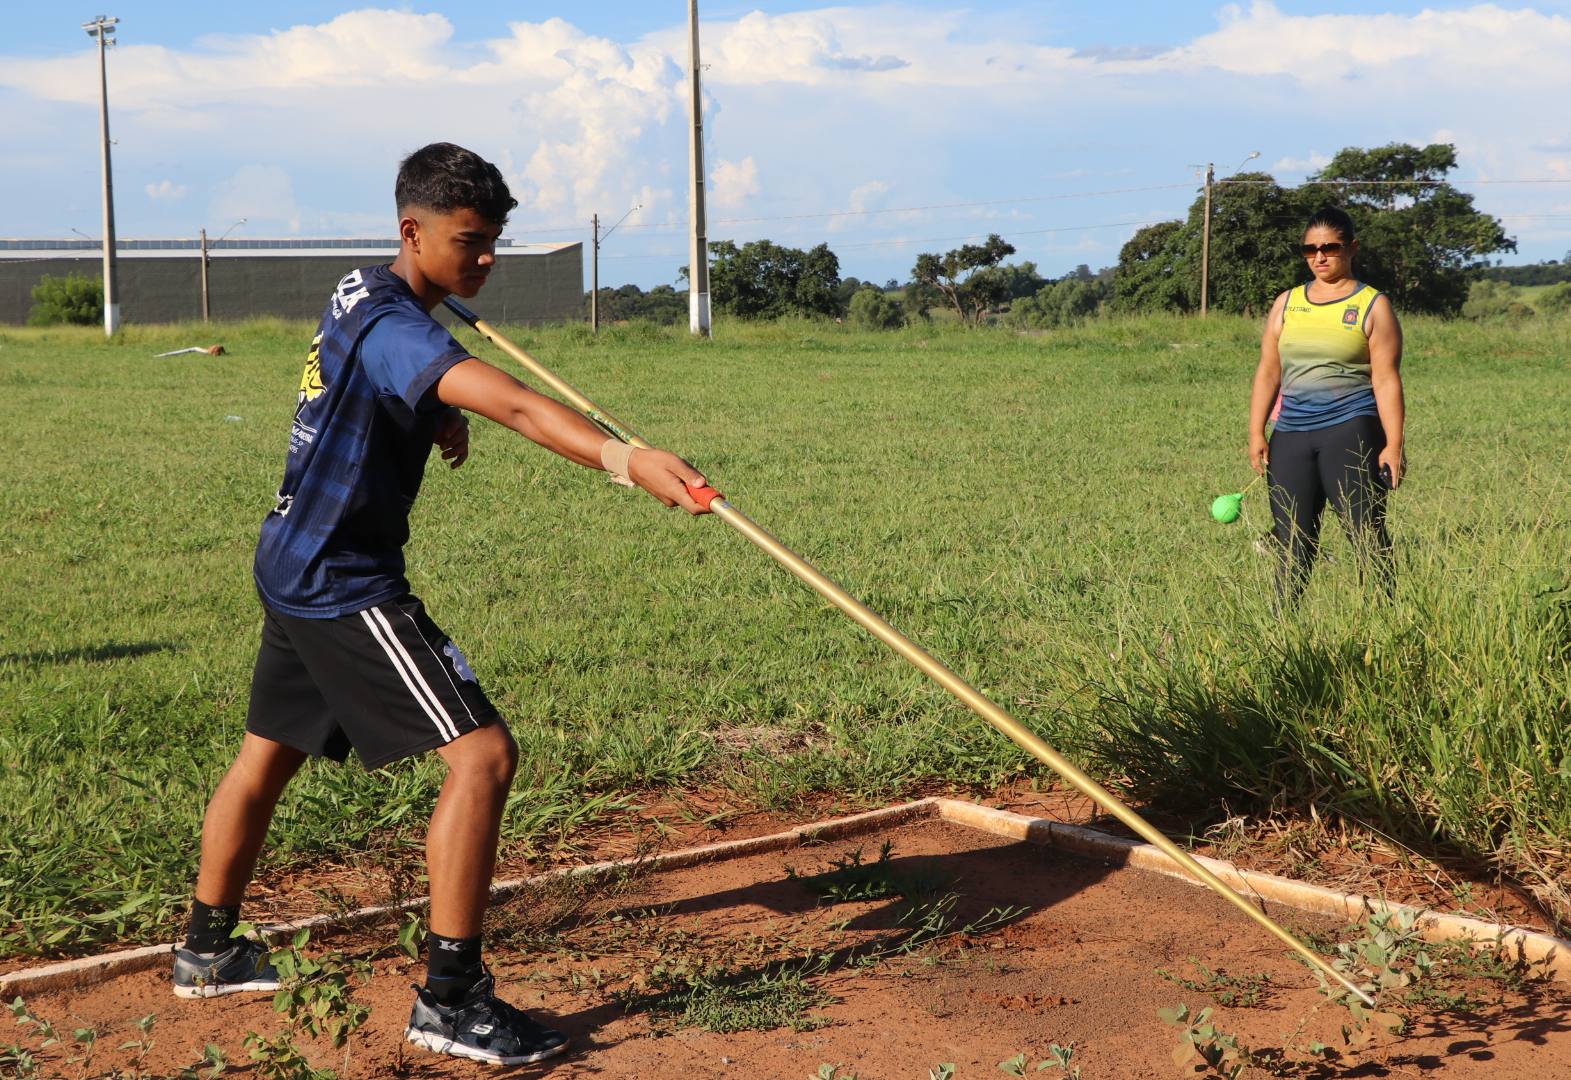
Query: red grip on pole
x,y
703,494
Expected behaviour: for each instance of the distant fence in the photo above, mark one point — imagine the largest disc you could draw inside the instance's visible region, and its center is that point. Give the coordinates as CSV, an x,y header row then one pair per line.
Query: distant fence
x,y
161,280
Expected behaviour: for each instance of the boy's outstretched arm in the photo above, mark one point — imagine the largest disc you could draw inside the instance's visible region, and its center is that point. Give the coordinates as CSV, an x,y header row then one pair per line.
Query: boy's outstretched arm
x,y
494,394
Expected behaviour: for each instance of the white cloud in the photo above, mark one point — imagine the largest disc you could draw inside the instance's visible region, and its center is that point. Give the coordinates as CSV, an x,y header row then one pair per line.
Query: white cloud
x,y
733,181
1469,45
262,194
166,190
864,197
1292,166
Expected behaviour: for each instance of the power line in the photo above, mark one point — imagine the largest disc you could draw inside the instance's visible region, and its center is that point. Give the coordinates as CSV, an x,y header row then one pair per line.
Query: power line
x,y
1030,232
889,210
1382,183
946,239
1040,198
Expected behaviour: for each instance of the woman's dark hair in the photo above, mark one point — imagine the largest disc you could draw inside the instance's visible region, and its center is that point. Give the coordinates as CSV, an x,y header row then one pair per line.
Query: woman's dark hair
x,y
1333,218
443,178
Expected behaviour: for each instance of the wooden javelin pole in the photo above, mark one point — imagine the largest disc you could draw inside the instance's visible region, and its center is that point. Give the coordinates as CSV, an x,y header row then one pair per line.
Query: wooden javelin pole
x,y
929,665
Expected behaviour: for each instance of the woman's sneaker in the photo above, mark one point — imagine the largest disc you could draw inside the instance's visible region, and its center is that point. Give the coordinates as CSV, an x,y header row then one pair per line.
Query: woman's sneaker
x,y
482,1027
243,967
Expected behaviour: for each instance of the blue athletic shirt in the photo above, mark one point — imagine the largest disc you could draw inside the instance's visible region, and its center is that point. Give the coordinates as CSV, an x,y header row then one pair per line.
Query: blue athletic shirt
x,y
363,429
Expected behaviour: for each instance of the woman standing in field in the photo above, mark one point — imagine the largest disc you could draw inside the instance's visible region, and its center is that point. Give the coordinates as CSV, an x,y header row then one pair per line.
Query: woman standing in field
x,y
1333,350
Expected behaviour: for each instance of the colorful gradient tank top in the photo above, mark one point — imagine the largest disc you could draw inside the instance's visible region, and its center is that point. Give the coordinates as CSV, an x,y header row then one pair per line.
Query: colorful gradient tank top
x,y
1325,360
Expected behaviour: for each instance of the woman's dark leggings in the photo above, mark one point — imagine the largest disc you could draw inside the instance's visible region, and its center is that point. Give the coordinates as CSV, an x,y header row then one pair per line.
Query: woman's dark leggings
x,y
1340,463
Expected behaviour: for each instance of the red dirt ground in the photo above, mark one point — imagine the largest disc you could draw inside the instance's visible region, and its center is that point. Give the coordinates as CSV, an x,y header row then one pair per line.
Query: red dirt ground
x,y
1078,966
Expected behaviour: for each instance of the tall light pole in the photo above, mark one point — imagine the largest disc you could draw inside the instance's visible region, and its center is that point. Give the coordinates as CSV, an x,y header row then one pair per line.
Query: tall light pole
x,y
594,278
698,248
1205,245
102,28
1205,239
207,309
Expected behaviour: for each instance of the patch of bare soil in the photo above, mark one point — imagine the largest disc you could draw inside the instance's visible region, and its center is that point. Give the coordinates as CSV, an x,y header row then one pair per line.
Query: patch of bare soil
x,y
1077,961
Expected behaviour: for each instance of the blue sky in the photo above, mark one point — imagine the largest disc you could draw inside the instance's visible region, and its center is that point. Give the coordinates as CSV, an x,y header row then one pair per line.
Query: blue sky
x,y
293,115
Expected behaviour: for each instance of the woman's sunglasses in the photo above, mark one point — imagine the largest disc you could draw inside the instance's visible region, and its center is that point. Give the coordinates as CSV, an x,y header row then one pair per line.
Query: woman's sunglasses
x,y
1310,250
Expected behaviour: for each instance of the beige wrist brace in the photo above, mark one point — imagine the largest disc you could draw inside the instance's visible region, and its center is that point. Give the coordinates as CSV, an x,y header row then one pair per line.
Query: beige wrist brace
x,y
614,456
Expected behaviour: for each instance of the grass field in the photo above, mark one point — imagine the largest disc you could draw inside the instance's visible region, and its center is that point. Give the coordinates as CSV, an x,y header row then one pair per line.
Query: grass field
x,y
1033,509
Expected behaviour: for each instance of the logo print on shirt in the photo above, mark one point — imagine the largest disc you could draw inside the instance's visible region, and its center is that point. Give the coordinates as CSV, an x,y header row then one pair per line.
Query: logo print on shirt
x,y
1350,317
311,381
350,292
460,665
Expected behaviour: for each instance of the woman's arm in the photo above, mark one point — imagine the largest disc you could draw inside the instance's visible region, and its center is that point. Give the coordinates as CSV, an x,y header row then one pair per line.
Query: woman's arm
x,y
1268,380
1385,372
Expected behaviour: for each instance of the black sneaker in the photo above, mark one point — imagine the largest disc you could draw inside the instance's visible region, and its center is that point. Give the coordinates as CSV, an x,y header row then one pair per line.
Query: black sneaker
x,y
243,967
482,1028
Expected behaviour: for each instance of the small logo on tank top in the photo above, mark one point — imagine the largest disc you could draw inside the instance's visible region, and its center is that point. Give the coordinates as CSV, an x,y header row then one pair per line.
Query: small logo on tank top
x,y
1350,317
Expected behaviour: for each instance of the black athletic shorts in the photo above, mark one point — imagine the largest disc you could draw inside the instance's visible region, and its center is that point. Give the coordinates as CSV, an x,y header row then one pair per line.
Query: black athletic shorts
x,y
385,681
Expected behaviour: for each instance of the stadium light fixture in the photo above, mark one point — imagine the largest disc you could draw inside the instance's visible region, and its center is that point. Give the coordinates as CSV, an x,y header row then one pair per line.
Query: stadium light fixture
x,y
102,30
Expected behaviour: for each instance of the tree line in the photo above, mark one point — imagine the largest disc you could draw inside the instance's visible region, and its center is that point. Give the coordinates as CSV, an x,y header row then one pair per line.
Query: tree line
x,y
1422,242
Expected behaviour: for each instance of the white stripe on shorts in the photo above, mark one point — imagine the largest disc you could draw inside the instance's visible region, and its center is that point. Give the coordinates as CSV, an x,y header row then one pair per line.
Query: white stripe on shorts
x,y
406,669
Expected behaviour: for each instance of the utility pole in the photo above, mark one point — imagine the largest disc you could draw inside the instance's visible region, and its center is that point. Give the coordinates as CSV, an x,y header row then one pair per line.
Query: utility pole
x,y
207,311
1205,239
206,308
698,253
103,28
1205,245
594,274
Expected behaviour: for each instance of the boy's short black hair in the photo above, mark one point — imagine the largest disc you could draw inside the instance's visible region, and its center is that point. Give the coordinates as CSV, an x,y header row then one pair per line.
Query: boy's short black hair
x,y
1334,218
443,178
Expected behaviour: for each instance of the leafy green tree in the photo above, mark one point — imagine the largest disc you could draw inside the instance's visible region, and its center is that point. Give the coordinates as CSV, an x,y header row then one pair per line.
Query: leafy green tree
x,y
1153,272
1018,280
961,276
763,280
1419,237
662,305
1554,300
1069,302
847,289
1256,227
75,298
1495,300
871,309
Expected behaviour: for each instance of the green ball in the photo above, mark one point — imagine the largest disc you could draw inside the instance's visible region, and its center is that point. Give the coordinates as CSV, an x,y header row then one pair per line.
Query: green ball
x,y
1227,508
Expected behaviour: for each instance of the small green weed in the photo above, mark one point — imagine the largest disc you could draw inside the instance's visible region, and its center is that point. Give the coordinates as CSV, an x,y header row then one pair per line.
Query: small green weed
x,y
1233,991
1386,957
1061,1057
213,1060
315,1000
850,879
141,1045
1217,1051
758,1001
831,1071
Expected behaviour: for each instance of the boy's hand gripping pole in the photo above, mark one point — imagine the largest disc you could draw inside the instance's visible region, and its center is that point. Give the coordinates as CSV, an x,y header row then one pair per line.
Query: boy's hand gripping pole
x,y
911,651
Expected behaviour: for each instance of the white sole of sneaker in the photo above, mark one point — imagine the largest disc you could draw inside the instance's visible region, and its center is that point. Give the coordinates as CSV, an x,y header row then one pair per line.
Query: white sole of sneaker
x,y
437,1044
220,989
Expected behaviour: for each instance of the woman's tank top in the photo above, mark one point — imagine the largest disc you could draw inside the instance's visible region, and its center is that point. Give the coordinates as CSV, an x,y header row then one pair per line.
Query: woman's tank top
x,y
1325,360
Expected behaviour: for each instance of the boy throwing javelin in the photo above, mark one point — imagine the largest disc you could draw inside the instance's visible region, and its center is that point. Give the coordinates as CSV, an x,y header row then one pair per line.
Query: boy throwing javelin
x,y
349,658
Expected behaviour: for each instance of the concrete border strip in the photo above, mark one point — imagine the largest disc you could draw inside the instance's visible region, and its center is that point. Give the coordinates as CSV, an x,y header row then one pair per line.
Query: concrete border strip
x,y
90,970
1530,946
1553,953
